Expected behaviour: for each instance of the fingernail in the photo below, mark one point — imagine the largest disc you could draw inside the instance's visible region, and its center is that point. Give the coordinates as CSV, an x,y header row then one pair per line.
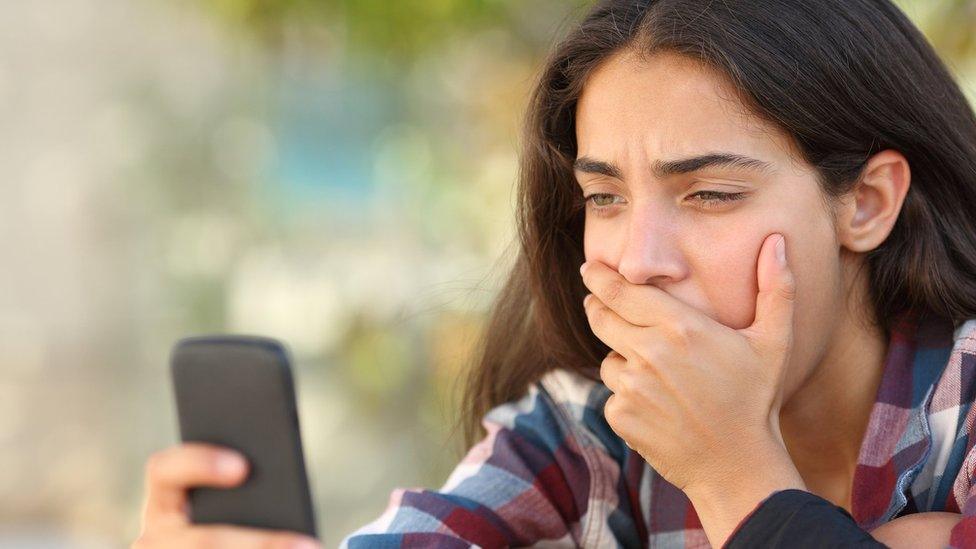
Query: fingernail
x,y
230,464
583,267
586,299
781,250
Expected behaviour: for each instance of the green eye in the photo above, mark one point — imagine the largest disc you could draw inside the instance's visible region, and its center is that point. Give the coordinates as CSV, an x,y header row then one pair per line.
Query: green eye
x,y
594,199
598,207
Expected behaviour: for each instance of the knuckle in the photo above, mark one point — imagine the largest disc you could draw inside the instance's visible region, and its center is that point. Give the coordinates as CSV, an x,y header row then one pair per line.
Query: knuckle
x,y
607,368
787,290
680,332
628,382
648,357
598,315
612,357
610,408
614,414
613,291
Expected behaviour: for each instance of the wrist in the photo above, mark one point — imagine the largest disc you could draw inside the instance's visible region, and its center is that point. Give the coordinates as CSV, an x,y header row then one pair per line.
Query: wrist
x,y
723,500
760,466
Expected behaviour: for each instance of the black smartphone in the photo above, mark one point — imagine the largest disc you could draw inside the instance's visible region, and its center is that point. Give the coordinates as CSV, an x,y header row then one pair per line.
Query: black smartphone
x,y
237,391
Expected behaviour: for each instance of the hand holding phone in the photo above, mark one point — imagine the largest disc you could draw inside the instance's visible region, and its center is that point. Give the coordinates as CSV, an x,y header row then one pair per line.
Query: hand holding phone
x,y
235,398
171,473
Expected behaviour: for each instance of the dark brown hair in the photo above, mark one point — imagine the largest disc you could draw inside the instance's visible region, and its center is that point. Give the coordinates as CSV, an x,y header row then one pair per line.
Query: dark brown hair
x,y
843,78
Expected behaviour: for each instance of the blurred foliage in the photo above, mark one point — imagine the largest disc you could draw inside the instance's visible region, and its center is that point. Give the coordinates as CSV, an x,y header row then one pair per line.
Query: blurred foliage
x,y
377,360
954,29
407,29
402,28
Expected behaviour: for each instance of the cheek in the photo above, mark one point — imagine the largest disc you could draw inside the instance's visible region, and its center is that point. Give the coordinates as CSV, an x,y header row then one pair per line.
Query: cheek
x,y
728,263
728,276
599,241
731,282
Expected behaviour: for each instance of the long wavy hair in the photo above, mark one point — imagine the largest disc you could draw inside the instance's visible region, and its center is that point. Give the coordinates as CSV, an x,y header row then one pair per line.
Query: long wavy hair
x,y
843,78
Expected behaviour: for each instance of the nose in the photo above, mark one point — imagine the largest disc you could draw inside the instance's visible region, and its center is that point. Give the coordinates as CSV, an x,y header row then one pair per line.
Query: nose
x,y
651,253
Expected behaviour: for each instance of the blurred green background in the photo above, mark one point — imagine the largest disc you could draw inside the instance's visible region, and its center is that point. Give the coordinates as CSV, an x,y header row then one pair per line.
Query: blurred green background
x,y
338,174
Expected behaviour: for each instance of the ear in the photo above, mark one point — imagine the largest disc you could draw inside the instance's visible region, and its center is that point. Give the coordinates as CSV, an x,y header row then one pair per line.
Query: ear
x,y
868,213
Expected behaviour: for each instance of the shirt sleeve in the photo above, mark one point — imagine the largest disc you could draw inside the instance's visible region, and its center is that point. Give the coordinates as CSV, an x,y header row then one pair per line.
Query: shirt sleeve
x,y
525,482
796,518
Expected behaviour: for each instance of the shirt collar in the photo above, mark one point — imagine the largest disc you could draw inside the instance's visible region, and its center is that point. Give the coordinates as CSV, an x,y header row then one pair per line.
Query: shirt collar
x,y
898,439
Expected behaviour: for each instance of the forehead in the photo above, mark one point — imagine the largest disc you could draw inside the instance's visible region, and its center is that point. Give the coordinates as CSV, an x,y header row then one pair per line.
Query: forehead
x,y
667,105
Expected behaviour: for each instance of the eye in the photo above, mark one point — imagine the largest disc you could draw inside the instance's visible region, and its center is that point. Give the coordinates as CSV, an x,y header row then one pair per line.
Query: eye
x,y
596,197
597,207
716,198
601,202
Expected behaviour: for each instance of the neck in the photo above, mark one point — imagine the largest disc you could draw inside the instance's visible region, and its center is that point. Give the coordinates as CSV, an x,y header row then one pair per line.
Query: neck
x,y
823,423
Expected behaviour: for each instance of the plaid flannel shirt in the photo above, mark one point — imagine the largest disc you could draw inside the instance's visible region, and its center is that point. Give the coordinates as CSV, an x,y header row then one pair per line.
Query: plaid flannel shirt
x,y
551,472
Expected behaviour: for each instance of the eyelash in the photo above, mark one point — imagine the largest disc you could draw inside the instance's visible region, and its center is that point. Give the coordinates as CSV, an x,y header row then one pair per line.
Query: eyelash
x,y
720,198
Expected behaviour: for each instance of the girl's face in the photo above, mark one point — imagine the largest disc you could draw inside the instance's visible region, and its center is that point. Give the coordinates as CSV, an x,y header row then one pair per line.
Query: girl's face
x,y
655,213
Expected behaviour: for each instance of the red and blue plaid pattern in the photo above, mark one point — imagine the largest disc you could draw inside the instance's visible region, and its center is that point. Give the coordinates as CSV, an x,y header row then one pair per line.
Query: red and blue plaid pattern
x,y
551,472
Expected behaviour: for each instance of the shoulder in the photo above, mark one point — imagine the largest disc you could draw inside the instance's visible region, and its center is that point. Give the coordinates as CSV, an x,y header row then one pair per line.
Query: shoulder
x,y
947,477
962,366
579,401
539,475
562,409
961,496
955,390
964,342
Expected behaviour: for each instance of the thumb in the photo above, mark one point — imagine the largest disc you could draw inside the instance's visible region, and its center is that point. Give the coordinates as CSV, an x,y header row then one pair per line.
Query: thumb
x,y
773,325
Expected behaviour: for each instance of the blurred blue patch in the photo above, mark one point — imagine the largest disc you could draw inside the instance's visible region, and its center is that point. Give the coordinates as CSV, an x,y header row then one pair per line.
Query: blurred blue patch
x,y
325,123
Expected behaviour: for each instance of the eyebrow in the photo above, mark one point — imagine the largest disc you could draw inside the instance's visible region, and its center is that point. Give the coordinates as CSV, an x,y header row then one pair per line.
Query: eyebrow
x,y
665,168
